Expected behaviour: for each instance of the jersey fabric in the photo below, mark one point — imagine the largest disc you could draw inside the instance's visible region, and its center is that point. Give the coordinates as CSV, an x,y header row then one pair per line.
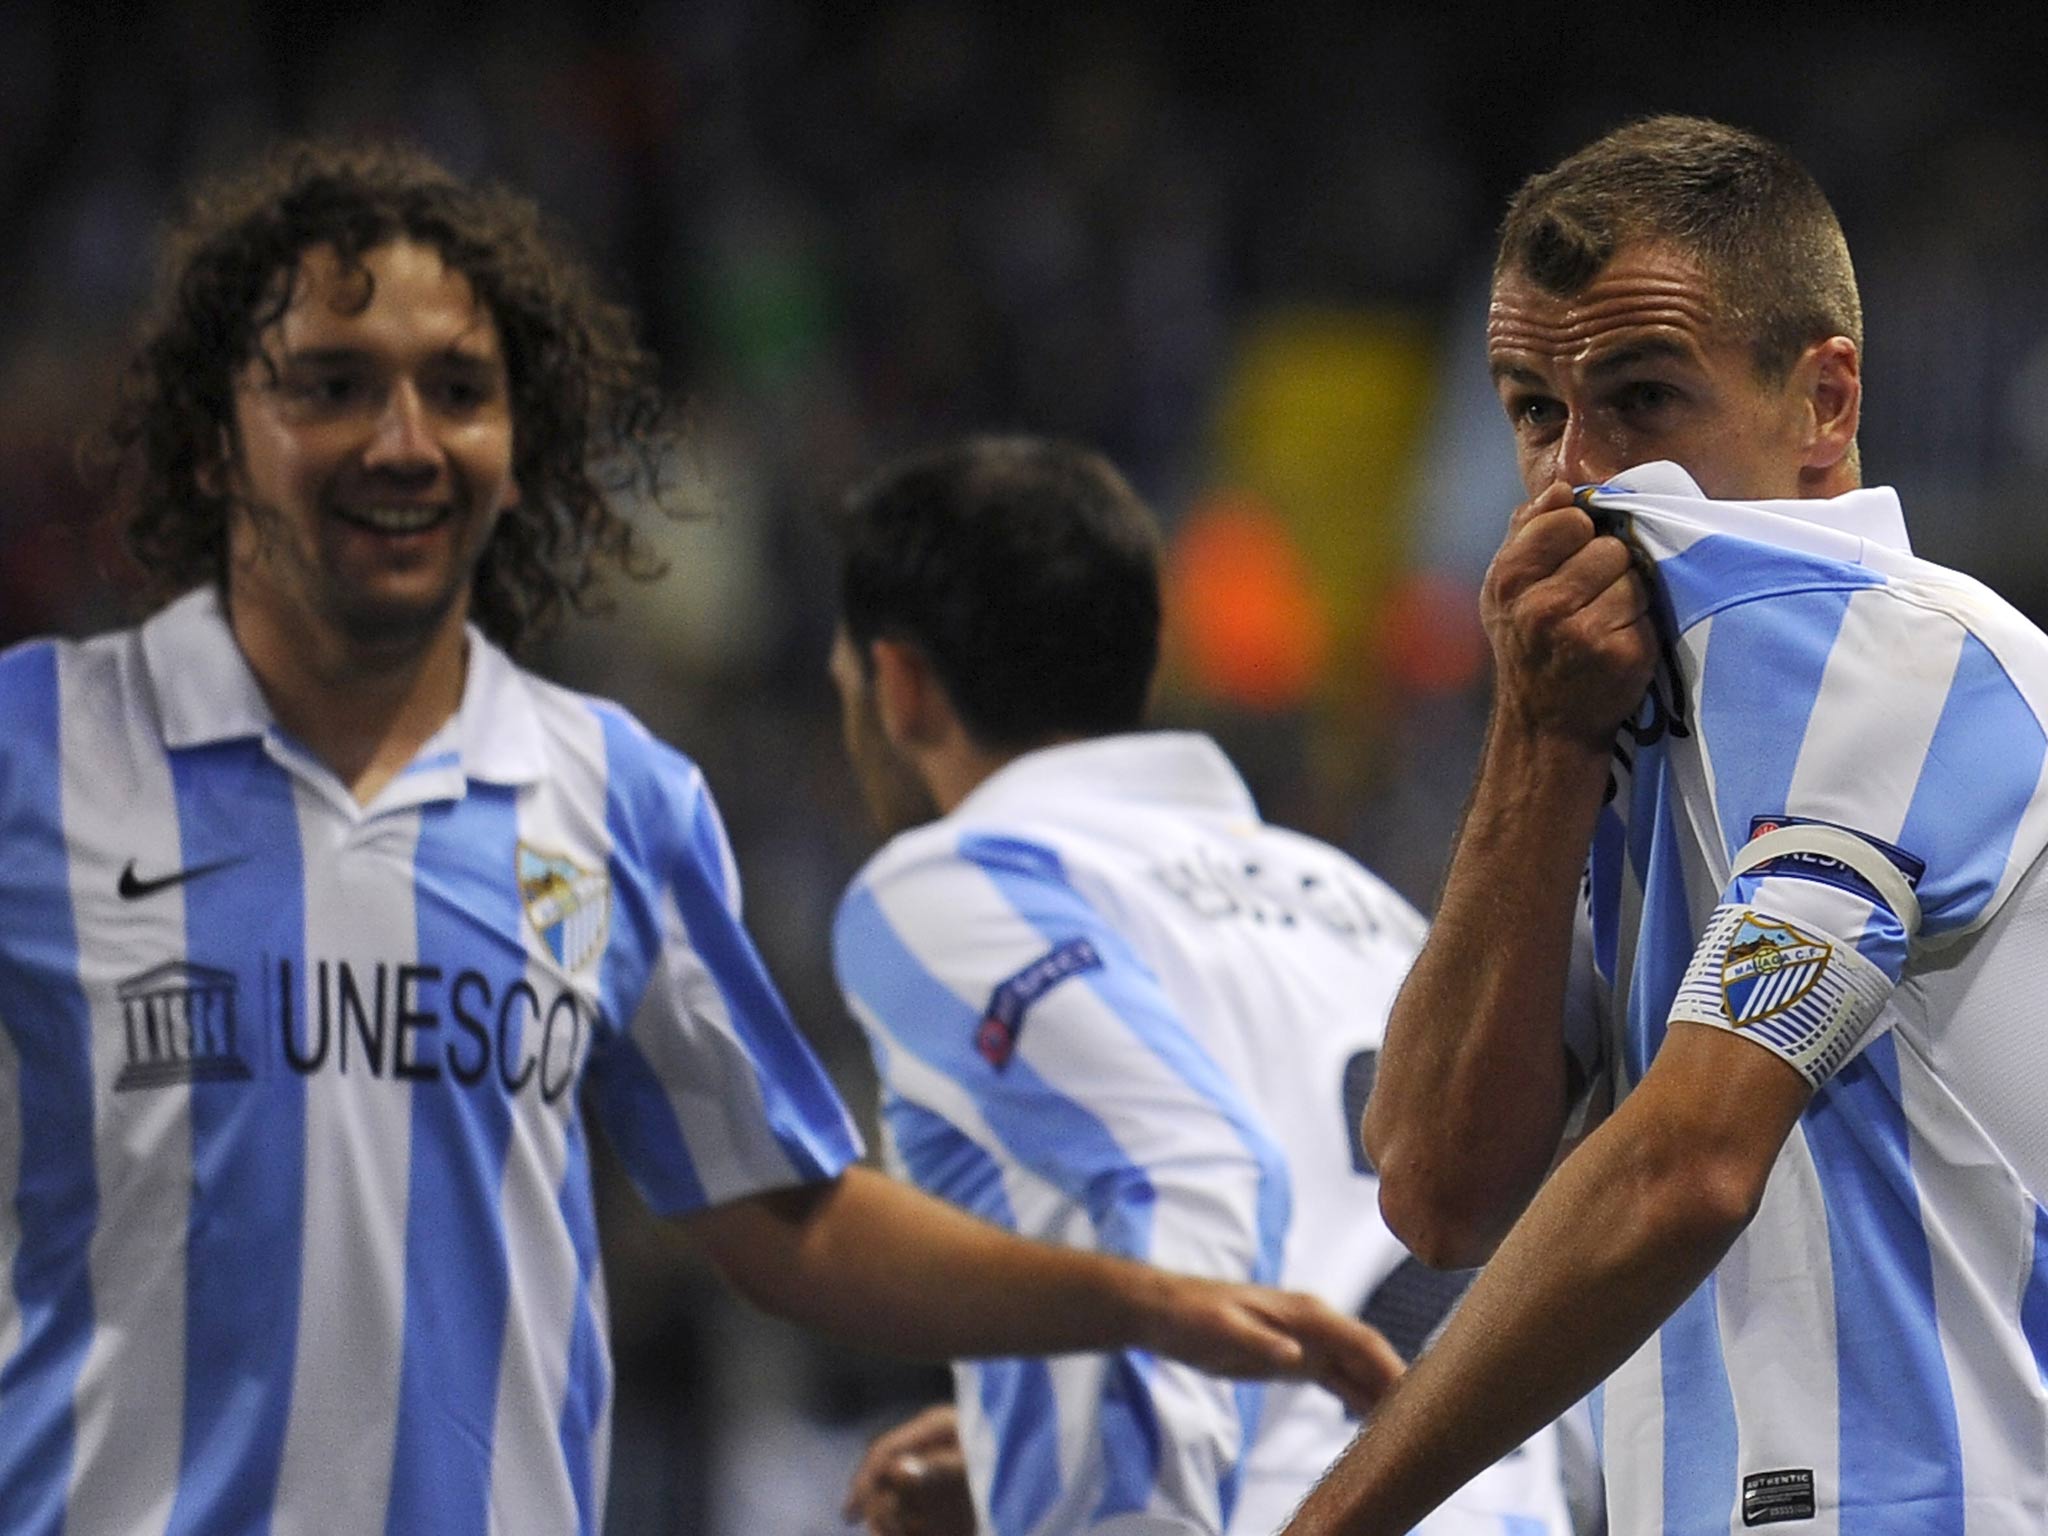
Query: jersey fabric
x,y
1113,1009
1825,835
299,1233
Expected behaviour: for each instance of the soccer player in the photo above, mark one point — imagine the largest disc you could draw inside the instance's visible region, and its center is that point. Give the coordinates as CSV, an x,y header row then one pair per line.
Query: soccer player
x,y
1755,851
320,921
1110,1007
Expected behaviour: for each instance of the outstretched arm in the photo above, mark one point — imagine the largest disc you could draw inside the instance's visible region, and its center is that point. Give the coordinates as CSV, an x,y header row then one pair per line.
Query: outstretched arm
x,y
1623,1233
1471,1098
876,1262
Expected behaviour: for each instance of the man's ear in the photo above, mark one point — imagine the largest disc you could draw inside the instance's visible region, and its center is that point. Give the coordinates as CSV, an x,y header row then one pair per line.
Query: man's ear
x,y
909,699
210,474
1830,379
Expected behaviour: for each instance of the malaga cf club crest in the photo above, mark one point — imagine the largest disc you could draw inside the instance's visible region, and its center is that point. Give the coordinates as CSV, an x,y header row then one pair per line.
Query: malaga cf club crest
x,y
569,907
1768,966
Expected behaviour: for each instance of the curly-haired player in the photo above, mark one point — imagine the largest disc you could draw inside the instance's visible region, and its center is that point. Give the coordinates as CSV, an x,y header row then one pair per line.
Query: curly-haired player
x,y
321,922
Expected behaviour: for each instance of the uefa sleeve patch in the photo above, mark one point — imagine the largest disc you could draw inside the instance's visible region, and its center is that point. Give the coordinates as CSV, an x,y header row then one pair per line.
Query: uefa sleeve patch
x,y
996,1035
1806,996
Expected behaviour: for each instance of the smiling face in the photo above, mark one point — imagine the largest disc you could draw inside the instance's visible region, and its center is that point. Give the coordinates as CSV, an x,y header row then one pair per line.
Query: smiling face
x,y
371,454
1638,365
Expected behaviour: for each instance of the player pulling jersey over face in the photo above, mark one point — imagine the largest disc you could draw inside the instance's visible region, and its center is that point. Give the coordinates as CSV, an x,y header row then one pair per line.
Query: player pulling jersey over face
x,y
1784,919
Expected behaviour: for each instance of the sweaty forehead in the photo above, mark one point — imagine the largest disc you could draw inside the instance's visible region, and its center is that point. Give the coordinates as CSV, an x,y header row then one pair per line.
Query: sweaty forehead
x,y
1641,297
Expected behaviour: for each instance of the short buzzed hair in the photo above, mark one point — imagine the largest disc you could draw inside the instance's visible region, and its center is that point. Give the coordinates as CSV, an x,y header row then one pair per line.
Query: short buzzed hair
x,y
1739,205
1026,570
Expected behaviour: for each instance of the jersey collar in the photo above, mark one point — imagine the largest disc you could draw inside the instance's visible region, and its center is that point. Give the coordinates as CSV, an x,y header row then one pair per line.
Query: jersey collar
x,y
1871,515
205,693
1181,768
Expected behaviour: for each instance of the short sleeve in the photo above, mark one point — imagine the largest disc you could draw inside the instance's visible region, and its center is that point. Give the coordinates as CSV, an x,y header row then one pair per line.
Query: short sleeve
x,y
1876,778
709,1092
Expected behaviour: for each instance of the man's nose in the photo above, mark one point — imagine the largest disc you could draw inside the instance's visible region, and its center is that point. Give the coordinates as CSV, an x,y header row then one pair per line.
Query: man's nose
x,y
1585,457
403,438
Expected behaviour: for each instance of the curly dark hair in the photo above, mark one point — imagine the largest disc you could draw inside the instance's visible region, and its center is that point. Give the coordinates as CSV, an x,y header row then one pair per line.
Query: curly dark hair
x,y
590,424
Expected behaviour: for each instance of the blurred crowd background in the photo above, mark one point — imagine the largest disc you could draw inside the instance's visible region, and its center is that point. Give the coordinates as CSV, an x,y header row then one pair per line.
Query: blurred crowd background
x,y
1244,249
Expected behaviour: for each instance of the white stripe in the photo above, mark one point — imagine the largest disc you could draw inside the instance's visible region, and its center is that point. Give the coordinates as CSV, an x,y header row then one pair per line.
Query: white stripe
x,y
1979,1223
1878,655
1632,1445
1774,1299
529,1487
338,1445
131,1389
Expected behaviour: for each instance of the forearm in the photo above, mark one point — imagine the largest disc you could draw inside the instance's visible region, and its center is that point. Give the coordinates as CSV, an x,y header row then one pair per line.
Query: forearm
x,y
1471,1096
1623,1233
868,1259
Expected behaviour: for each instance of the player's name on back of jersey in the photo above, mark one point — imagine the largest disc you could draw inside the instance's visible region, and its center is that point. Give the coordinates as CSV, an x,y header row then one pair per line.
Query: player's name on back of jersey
x,y
184,1023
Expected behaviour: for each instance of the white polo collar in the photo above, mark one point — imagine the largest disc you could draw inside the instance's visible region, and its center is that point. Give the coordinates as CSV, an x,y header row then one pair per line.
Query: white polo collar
x,y
1871,515
1178,768
205,693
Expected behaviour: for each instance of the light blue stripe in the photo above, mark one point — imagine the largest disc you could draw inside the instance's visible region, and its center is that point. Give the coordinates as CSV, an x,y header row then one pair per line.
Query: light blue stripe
x,y
457,1285
1665,943
1604,874
56,1201
1016,1394
1596,1410
1979,775
246,1225
1523,1525
2034,1300
589,1383
1900,1445
1700,1454
1721,570
653,787
1032,879
1758,686
1053,1135
625,1094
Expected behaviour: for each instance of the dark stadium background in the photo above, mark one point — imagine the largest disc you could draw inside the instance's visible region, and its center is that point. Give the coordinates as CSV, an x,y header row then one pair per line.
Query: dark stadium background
x,y
1242,248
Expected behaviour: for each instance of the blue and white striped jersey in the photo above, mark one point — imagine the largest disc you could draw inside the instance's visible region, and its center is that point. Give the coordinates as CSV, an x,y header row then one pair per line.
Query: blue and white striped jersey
x,y
1826,835
299,1234
1111,1008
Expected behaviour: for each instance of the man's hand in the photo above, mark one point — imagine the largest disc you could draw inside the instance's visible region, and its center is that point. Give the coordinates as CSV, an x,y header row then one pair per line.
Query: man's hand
x,y
1569,621
1249,1331
913,1480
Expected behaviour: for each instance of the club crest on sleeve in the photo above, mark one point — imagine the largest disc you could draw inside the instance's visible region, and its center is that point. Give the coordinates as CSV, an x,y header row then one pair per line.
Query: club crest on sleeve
x,y
995,1037
569,907
1768,967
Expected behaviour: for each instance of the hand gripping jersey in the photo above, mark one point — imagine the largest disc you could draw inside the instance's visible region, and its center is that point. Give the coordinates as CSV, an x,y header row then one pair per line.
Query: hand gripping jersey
x,y
298,1233
1111,1008
1825,835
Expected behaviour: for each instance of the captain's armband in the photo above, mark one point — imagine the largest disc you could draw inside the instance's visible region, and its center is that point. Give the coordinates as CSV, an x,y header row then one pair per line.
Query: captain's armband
x,y
1807,996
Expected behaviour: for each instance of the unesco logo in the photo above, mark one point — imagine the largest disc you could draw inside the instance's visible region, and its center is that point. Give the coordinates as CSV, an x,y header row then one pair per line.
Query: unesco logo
x,y
178,1024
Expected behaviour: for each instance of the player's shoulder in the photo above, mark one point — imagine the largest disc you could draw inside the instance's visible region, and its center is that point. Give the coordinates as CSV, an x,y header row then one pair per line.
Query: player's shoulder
x,y
634,762
1317,867
102,671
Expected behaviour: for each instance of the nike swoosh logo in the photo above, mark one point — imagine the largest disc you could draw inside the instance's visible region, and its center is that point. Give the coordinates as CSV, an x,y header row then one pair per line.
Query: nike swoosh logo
x,y
133,887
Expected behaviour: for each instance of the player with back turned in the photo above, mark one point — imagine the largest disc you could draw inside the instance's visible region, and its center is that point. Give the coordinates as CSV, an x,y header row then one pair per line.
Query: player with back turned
x,y
321,922
1755,856
1110,1006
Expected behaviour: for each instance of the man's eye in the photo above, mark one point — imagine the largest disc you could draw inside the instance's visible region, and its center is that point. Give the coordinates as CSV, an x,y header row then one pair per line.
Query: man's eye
x,y
1535,411
1645,395
330,389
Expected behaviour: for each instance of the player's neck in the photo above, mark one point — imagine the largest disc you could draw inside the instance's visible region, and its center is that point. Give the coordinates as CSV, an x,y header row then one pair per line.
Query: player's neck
x,y
954,774
363,710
